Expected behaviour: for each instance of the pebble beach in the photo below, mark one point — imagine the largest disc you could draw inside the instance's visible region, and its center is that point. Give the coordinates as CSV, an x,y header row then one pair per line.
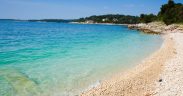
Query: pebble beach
x,y
158,75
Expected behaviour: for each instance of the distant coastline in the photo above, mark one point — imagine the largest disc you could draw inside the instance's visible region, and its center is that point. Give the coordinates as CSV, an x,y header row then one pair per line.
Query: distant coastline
x,y
98,23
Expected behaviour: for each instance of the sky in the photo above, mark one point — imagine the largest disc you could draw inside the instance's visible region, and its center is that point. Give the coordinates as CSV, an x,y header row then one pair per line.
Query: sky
x,y
73,9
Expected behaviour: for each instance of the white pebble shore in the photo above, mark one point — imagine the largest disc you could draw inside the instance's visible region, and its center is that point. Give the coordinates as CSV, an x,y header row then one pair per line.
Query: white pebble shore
x,y
172,75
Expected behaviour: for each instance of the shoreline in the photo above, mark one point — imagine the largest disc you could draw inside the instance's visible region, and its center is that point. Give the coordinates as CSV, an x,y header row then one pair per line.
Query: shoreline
x,y
171,77
99,23
132,82
145,78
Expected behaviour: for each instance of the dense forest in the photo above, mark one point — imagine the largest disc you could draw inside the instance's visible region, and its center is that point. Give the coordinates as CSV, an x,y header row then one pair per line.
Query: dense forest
x,y
111,18
147,18
169,13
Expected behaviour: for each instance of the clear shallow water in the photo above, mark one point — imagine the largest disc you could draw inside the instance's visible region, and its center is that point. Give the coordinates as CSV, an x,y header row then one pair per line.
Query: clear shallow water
x,y
38,58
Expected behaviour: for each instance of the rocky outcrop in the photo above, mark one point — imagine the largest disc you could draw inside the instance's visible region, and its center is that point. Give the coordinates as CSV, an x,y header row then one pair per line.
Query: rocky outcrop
x,y
157,27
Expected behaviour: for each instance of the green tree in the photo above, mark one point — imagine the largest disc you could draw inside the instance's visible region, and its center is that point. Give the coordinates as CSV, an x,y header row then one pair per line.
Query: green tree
x,y
171,12
146,18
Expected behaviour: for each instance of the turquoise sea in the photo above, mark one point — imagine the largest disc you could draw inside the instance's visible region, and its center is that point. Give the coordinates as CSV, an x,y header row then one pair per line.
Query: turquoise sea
x,y
62,59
